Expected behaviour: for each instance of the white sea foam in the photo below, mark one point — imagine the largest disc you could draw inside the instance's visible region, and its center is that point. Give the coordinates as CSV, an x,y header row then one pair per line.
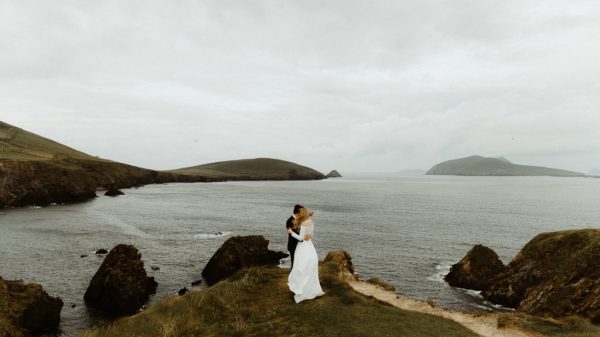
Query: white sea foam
x,y
211,235
441,270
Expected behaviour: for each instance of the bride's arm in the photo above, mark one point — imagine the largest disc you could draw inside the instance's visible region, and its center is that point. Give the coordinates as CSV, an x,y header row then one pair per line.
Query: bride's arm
x,y
299,237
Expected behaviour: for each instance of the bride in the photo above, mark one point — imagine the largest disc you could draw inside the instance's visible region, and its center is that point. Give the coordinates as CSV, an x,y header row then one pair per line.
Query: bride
x,y
304,277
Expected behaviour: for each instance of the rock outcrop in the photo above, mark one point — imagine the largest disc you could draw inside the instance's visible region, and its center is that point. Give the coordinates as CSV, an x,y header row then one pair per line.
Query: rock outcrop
x,y
121,285
333,174
556,274
113,192
27,308
476,270
343,261
239,252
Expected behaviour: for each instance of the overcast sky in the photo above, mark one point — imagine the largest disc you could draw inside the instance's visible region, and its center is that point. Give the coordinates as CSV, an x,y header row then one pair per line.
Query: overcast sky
x,y
347,85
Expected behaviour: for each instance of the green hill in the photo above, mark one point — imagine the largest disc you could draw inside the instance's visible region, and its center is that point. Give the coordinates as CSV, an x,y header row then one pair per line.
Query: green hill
x,y
38,171
254,169
484,166
18,144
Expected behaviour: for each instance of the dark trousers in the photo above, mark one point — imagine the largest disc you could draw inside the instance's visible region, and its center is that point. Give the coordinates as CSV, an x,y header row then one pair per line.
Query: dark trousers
x,y
292,258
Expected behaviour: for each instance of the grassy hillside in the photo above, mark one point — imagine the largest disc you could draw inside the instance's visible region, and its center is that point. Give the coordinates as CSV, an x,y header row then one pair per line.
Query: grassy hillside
x,y
253,169
37,170
257,302
18,144
483,166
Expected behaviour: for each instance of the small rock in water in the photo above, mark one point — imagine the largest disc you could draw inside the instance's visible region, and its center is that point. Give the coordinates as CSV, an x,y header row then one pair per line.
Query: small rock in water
x,y
101,252
154,267
73,305
83,255
196,283
113,192
182,291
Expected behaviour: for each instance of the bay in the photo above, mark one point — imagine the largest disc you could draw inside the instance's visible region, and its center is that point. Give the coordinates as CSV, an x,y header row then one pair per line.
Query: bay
x,y
404,230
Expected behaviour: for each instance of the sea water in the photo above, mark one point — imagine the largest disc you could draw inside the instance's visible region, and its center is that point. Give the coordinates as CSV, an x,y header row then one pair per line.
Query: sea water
x,y
407,231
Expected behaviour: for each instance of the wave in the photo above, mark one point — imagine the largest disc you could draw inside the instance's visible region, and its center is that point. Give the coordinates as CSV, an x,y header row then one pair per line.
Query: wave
x,y
211,235
441,270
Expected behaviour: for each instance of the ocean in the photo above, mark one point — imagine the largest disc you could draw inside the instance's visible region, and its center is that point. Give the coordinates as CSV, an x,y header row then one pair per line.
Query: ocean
x,y
407,231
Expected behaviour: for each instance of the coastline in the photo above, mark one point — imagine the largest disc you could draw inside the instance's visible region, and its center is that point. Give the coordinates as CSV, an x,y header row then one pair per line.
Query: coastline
x,y
484,324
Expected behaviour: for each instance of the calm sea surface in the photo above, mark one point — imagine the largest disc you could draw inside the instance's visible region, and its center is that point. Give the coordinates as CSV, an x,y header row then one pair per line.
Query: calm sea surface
x,y
407,231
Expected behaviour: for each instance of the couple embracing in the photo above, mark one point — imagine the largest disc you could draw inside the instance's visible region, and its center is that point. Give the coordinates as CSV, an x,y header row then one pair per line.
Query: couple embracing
x,y
304,276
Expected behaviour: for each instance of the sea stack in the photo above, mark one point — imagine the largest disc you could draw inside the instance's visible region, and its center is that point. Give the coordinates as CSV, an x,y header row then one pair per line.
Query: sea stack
x,y
476,270
239,252
121,285
334,174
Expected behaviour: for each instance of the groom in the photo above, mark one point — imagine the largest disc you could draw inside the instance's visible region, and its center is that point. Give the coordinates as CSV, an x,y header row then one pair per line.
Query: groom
x,y
289,224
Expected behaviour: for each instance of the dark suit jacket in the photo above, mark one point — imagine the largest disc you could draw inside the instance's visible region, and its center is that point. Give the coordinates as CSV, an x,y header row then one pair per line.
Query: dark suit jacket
x,y
292,242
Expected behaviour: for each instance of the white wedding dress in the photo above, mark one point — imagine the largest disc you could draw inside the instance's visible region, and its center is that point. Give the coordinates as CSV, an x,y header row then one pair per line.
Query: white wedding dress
x,y
304,277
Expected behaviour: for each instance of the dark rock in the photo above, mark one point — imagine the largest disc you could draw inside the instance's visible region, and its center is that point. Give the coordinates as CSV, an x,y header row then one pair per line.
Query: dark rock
x,y
101,251
182,291
154,267
196,283
73,305
382,284
121,285
113,192
27,308
345,267
334,174
239,252
476,270
83,255
556,274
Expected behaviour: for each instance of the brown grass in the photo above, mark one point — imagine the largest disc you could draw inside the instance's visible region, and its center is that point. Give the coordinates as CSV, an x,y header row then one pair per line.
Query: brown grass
x,y
256,302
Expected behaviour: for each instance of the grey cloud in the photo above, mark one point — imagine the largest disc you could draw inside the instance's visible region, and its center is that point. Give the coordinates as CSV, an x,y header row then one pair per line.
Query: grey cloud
x,y
353,85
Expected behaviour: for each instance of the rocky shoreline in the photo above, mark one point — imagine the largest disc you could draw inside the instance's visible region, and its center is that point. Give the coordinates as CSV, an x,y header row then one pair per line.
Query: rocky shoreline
x,y
70,180
25,183
121,286
556,274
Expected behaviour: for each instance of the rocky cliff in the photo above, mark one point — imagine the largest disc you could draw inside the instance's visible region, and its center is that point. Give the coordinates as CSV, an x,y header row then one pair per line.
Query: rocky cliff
x,y
27,309
42,182
555,274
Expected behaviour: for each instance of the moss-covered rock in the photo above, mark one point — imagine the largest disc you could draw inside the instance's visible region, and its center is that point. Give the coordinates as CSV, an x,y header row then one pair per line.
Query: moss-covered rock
x,y
121,285
239,252
27,308
476,270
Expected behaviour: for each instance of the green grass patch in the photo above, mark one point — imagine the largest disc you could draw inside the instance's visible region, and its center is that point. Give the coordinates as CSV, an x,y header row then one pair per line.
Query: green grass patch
x,y
565,327
257,302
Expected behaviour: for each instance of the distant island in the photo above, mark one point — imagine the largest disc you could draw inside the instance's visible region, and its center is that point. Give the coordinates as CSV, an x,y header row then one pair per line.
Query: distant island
x,y
253,169
485,166
38,171
333,174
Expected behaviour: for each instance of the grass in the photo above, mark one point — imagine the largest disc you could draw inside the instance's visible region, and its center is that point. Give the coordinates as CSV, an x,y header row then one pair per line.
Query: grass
x,y
18,144
256,302
566,327
253,169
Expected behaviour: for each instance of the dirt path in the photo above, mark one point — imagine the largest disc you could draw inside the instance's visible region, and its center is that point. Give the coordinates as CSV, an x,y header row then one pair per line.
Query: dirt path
x,y
484,325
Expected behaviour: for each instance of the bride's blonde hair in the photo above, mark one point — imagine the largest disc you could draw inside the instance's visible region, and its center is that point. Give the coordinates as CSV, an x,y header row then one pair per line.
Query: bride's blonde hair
x,y
302,216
